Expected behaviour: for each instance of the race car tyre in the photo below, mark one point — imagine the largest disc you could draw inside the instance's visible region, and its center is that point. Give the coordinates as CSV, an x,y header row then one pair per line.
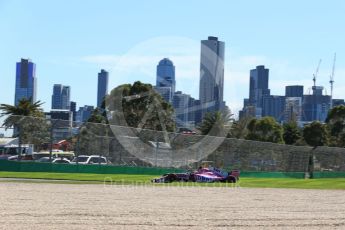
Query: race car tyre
x,y
231,179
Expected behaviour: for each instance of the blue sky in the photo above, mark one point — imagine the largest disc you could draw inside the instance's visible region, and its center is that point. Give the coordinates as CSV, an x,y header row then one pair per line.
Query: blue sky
x,y
70,41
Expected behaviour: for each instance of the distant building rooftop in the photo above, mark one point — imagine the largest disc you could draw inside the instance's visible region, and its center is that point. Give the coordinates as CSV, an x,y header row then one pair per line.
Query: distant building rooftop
x,y
166,61
212,38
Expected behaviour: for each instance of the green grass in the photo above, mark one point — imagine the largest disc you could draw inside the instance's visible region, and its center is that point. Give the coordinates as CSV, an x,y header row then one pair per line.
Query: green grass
x,y
324,183
331,183
81,177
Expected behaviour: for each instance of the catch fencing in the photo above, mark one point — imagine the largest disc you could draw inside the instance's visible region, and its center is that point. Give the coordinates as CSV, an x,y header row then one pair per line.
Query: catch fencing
x,y
143,148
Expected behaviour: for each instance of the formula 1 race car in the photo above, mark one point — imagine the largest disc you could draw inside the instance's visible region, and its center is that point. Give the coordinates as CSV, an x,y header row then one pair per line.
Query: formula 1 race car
x,y
201,175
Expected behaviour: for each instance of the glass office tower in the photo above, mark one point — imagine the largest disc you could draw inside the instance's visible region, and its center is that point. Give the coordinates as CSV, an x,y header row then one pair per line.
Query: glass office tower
x,y
102,90
25,81
166,78
61,97
211,75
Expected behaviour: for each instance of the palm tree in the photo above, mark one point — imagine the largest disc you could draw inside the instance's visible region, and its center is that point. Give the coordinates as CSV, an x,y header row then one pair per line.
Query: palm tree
x,y
239,128
216,123
24,108
31,128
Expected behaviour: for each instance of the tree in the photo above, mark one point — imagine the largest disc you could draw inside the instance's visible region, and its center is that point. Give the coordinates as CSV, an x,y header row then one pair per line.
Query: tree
x,y
239,128
139,106
98,117
291,133
216,123
315,134
336,124
265,129
24,108
28,121
95,134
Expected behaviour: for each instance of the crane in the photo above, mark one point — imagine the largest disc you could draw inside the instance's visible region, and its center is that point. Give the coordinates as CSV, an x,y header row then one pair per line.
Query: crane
x,y
316,73
331,78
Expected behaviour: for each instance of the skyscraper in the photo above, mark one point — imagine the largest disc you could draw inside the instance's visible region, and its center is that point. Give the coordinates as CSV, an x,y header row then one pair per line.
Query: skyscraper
x,y
181,106
166,78
258,85
66,96
102,90
337,102
61,97
25,81
73,109
273,106
294,91
258,90
165,92
293,109
211,75
316,106
194,112
84,113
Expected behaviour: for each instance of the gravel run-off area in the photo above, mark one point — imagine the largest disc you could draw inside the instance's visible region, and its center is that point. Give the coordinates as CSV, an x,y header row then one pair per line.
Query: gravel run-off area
x,y
95,206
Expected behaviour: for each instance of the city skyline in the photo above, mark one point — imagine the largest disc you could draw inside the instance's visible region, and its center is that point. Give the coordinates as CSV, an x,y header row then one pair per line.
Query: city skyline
x,y
289,46
260,102
258,85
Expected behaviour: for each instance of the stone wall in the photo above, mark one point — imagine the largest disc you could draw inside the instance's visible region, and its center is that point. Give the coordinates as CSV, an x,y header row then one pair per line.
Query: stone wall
x,y
191,150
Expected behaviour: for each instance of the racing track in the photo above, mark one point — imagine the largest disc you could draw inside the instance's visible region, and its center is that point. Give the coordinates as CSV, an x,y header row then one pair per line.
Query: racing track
x,y
71,206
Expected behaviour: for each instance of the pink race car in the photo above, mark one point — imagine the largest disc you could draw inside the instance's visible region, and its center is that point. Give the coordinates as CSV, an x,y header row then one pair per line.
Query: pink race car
x,y
201,175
